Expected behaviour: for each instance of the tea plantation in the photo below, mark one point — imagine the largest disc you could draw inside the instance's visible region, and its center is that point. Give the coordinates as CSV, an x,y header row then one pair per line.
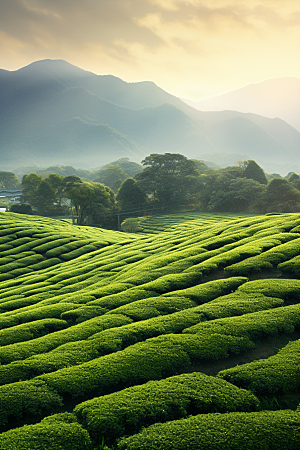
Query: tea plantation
x,y
183,336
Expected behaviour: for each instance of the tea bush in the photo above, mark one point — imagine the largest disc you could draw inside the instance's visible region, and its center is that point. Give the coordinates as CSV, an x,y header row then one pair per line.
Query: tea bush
x,y
267,430
277,374
48,434
127,411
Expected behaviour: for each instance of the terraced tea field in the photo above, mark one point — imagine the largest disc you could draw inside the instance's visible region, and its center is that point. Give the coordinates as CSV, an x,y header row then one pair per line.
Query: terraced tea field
x,y
184,339
157,224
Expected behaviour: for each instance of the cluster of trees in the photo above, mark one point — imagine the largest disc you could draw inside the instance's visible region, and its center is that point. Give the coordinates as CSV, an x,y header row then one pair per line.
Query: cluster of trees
x,y
167,182
8,180
92,203
174,181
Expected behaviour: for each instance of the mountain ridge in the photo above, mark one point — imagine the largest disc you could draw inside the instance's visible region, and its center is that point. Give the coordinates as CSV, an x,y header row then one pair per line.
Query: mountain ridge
x,y
42,101
277,97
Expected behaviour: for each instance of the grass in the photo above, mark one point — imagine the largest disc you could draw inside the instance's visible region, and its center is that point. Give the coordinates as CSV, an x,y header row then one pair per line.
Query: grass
x,y
110,330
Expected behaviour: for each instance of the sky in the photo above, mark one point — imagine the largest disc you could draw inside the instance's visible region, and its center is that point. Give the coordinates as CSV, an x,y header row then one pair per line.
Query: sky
x,y
193,49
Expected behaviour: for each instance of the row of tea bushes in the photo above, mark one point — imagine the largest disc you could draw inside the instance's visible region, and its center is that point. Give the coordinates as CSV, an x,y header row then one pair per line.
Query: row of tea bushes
x,y
127,411
285,288
267,430
267,260
32,330
153,359
56,432
145,293
117,338
277,374
156,224
22,350
255,325
54,311
205,292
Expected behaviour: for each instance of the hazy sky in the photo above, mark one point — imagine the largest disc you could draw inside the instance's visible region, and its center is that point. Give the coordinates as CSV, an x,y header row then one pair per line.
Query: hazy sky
x,y
190,48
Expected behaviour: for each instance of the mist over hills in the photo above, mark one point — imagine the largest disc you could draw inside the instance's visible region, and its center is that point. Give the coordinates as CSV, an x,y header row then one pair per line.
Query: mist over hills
x,y
279,97
55,113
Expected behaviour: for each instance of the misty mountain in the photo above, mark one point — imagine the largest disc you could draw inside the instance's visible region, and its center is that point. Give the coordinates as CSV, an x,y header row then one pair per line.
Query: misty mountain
x,y
55,113
279,97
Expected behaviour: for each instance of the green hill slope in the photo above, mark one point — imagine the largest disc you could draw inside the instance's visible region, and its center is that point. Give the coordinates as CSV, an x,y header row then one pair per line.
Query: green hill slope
x,y
104,334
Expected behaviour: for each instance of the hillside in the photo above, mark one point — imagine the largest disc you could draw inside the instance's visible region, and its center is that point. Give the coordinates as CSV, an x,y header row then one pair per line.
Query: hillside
x,y
56,113
186,338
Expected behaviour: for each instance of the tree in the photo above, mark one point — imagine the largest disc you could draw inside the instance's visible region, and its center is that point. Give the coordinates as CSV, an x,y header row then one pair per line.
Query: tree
x,y
8,180
56,182
30,185
241,195
90,200
281,196
45,197
164,177
254,172
131,195
294,179
112,176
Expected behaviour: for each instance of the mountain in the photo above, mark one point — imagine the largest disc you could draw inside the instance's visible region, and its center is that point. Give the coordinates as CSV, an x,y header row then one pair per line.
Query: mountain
x,y
279,97
55,113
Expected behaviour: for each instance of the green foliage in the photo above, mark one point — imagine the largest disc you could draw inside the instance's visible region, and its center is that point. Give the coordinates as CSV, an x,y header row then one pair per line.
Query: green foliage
x,y
274,375
255,325
153,359
266,430
131,225
25,399
48,434
46,343
28,331
160,401
22,208
112,176
205,292
287,289
254,172
131,195
166,177
90,200
8,180
282,196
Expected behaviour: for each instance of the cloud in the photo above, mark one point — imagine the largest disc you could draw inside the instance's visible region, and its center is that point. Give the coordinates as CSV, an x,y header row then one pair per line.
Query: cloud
x,y
167,41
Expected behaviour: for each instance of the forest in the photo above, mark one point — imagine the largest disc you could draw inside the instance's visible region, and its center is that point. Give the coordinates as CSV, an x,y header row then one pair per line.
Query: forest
x,y
164,183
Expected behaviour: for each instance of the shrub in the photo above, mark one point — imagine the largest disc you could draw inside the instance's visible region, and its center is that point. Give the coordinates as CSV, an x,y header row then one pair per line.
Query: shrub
x,y
46,343
277,374
28,331
208,291
267,430
50,435
287,289
27,399
153,359
159,401
152,307
254,325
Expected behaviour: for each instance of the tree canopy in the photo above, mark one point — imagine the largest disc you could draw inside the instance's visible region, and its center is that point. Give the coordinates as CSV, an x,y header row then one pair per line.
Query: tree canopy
x,y
164,177
8,180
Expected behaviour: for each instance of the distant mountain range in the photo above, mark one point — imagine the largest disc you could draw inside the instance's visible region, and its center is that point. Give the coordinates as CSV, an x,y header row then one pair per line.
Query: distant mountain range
x,y
55,113
279,97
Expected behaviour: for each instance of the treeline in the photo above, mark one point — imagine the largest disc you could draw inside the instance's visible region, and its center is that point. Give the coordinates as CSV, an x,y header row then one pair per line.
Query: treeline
x,y
168,182
173,181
